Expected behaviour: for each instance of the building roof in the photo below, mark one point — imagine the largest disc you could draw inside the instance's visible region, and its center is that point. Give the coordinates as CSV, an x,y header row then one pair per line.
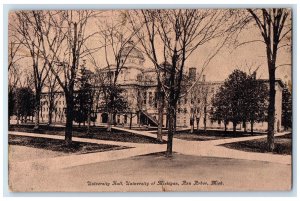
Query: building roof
x,y
279,81
131,51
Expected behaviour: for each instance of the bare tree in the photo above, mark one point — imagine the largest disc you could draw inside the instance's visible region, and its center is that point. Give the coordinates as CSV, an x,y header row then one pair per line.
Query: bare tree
x,y
199,103
14,79
26,30
275,28
63,46
14,48
53,88
14,56
144,23
117,41
181,32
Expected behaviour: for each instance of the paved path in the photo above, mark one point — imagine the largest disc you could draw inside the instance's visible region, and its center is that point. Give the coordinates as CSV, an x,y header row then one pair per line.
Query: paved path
x,y
211,148
138,132
196,148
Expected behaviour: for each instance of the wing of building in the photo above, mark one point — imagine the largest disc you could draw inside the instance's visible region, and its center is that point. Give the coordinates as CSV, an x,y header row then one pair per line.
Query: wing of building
x,y
140,89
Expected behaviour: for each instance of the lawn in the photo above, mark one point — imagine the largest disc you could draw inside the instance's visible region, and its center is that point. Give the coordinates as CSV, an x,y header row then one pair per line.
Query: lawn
x,y
59,145
160,174
202,135
283,145
95,133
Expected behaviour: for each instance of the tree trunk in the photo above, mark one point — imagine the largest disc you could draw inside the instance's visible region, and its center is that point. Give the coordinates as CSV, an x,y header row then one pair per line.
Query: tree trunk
x,y
69,119
245,126
192,124
89,120
252,124
50,116
139,118
160,114
37,109
18,118
130,122
234,126
171,127
110,121
205,117
271,109
198,121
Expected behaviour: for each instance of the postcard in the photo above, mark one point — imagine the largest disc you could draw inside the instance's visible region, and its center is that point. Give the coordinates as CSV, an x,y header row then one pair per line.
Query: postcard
x,y
150,100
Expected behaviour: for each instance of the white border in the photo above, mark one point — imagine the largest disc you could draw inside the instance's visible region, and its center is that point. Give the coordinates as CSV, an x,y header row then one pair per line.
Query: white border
x,y
136,4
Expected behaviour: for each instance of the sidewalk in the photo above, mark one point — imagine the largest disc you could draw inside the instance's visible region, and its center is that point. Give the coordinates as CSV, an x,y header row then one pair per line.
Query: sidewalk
x,y
196,148
83,159
212,148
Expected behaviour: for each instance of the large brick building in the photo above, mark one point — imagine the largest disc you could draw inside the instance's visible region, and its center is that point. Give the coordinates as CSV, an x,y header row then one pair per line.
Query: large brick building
x,y
140,84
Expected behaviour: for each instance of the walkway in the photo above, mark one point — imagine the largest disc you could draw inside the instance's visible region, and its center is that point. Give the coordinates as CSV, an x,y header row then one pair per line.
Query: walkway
x,y
212,148
196,148
83,159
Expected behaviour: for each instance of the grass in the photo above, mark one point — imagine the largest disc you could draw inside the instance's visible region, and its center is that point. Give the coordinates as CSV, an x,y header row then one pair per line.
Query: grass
x,y
59,145
202,135
95,133
283,145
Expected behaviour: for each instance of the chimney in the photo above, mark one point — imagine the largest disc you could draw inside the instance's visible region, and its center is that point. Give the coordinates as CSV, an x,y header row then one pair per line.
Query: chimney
x,y
203,78
254,74
192,74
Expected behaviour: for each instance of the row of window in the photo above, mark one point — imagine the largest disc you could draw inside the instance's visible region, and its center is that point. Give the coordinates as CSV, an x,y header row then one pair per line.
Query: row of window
x,y
46,109
60,116
152,99
44,96
56,103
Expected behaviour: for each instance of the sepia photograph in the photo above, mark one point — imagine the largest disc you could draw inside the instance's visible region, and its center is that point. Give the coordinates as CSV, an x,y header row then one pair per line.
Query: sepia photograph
x,y
150,100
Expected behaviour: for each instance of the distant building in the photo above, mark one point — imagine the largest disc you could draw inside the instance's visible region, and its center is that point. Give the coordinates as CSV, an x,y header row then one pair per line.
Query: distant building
x,y
140,84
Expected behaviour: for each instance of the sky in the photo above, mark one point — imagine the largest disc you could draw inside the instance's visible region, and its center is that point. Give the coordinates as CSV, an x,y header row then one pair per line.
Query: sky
x,y
246,57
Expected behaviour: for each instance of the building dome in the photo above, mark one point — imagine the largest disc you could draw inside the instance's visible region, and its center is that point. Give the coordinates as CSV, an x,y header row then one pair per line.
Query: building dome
x,y
132,52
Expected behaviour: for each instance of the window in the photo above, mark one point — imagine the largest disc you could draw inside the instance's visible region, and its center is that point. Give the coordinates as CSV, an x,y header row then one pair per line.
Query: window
x,y
155,99
118,119
185,110
125,119
145,98
150,98
139,77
